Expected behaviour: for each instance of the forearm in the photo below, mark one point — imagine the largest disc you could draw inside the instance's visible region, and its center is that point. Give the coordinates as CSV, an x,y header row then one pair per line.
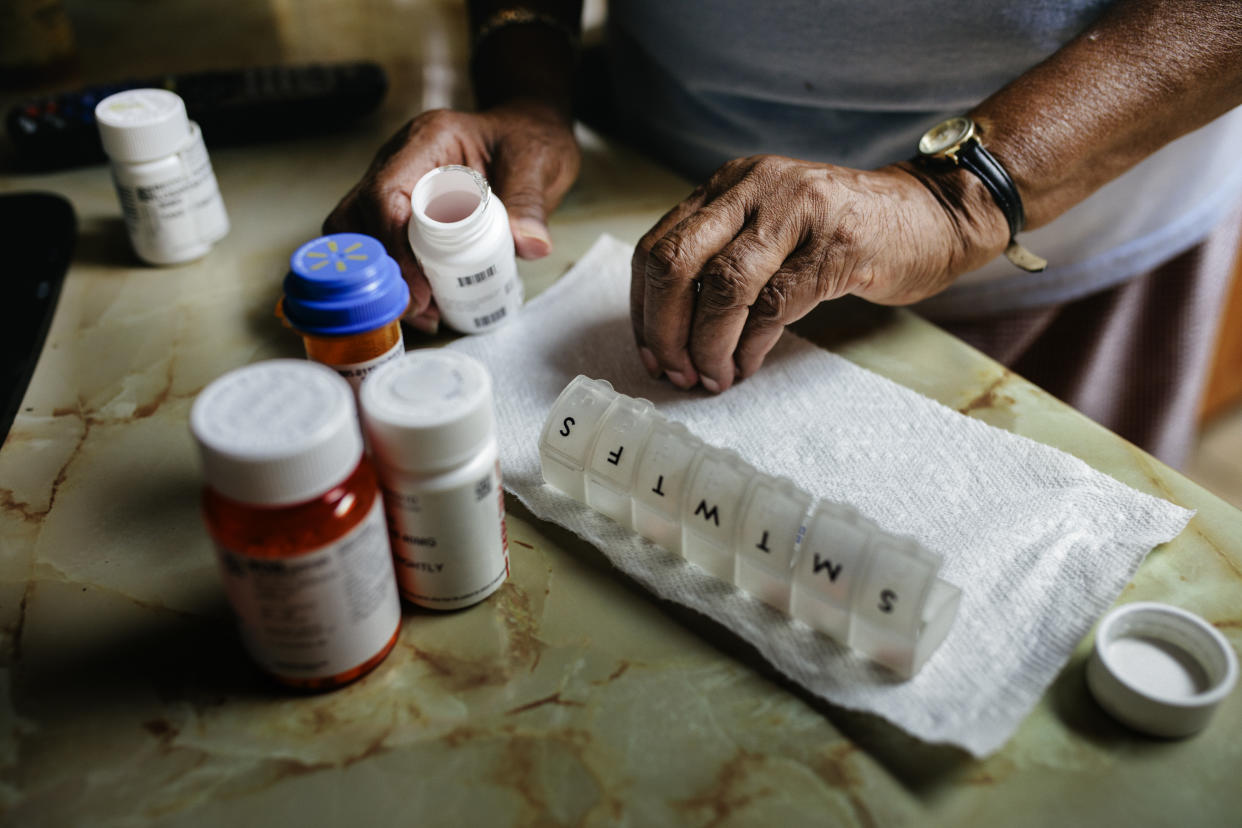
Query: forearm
x,y
1145,73
531,61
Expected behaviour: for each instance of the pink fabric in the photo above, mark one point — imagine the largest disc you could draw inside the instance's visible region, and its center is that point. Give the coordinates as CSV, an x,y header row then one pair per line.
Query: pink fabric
x,y
1135,358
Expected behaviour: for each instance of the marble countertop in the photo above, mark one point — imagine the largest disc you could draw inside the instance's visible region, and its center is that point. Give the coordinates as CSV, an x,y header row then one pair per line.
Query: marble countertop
x,y
572,697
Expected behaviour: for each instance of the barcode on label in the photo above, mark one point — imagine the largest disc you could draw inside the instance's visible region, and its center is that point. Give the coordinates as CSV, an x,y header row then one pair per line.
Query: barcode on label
x,y
475,278
494,316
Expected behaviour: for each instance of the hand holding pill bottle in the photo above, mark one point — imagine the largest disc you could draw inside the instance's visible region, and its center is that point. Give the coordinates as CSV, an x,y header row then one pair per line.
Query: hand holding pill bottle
x,y
459,232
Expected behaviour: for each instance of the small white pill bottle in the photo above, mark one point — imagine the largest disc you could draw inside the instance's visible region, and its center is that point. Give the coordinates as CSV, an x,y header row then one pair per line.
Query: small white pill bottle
x,y
459,231
429,418
163,177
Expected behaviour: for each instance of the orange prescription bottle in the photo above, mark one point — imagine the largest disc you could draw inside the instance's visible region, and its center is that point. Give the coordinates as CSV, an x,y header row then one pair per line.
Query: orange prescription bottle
x,y
344,294
293,507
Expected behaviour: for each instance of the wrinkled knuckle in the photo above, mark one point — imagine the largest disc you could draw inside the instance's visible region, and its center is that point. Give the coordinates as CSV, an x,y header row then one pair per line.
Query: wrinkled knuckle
x,y
844,236
808,187
804,187
435,119
725,285
772,303
667,258
642,250
767,173
727,173
767,163
834,278
524,196
383,204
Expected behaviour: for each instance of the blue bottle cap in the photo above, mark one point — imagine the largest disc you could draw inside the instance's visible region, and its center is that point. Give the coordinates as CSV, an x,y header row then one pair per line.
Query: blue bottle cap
x,y
343,284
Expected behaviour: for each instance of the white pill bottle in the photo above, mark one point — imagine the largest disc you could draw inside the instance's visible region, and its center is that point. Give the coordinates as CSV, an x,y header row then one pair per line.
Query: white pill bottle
x,y
429,418
459,231
163,177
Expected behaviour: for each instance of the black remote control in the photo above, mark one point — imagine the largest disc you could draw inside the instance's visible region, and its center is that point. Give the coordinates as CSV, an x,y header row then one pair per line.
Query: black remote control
x,y
231,107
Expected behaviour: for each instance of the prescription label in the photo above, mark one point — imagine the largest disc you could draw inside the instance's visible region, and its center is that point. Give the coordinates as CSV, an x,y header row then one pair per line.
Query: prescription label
x,y
355,372
319,614
449,544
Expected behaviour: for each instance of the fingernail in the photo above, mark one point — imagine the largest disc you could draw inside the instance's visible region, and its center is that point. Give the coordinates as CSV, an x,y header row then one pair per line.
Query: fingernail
x,y
709,383
677,378
533,240
649,362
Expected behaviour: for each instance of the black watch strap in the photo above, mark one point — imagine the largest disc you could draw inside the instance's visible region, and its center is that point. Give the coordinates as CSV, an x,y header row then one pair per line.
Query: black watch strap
x,y
974,157
979,161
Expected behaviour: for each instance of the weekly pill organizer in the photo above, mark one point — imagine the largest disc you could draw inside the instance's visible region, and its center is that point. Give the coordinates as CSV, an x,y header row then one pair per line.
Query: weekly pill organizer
x,y
820,562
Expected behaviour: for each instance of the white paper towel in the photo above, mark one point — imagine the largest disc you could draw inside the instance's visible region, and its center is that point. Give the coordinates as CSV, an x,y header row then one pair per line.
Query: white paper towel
x,y
1040,543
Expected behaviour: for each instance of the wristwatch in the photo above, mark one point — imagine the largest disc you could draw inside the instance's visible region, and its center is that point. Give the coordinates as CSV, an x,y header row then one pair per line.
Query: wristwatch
x,y
956,139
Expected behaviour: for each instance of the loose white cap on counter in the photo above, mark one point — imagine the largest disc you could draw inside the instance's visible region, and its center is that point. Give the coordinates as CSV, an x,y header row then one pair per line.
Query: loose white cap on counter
x,y
1160,669
276,432
428,410
142,124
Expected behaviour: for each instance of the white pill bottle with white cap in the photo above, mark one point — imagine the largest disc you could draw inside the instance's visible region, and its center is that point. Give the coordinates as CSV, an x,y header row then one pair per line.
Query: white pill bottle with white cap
x,y
459,231
429,418
163,177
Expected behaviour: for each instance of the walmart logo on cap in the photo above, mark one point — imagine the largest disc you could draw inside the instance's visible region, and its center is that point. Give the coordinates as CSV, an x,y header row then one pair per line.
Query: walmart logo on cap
x,y
335,254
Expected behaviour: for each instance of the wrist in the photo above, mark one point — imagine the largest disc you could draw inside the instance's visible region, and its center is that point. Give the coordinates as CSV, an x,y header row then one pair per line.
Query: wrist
x,y
526,61
977,229
533,109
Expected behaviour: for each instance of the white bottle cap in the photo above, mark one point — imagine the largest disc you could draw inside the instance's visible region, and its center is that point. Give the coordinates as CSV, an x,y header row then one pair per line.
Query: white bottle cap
x,y
428,410
1160,669
277,432
142,124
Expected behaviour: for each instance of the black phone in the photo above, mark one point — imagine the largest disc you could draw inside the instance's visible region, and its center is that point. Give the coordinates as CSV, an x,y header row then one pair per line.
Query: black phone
x,y
37,234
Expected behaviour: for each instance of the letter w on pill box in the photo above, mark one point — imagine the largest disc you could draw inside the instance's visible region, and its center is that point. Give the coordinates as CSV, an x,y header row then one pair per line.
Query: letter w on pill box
x,y
823,563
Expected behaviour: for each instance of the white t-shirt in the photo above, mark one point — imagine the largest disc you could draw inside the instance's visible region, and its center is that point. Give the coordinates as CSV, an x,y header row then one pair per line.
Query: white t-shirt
x,y
857,83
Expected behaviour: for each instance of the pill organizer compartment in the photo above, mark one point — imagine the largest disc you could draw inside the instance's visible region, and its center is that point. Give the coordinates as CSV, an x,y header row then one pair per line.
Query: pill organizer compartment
x,y
890,599
570,432
836,570
936,619
772,521
711,508
613,460
660,483
828,568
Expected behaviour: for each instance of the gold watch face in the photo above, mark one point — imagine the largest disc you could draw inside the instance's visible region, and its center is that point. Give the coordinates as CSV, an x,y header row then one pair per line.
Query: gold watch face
x,y
946,135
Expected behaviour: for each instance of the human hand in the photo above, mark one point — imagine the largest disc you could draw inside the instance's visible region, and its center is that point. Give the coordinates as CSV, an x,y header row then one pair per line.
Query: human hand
x,y
526,150
717,279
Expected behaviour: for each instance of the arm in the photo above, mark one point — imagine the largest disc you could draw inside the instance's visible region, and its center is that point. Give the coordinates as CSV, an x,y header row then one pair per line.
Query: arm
x,y
521,138
527,70
768,238
1145,73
